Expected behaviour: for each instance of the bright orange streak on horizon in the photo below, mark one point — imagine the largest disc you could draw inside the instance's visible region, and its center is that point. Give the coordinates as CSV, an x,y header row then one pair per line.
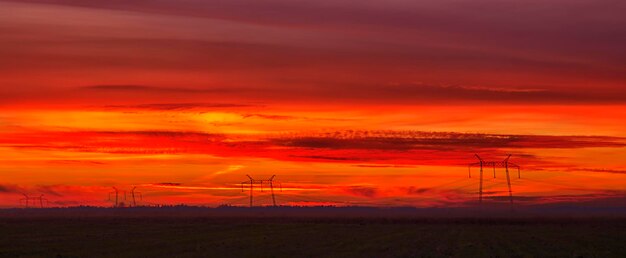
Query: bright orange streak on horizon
x,y
206,167
246,188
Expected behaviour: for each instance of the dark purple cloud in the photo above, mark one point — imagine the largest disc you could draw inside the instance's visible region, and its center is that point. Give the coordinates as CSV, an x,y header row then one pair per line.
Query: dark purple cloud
x,y
555,51
166,184
532,24
363,191
395,140
8,188
54,190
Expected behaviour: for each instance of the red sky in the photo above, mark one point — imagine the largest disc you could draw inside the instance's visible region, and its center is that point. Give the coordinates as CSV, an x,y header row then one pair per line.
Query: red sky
x,y
347,102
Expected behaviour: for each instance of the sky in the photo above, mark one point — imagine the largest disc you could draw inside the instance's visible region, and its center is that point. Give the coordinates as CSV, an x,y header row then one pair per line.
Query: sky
x,y
377,103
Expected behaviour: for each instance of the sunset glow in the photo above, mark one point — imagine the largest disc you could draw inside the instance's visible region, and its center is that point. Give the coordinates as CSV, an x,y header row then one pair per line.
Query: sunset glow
x,y
382,108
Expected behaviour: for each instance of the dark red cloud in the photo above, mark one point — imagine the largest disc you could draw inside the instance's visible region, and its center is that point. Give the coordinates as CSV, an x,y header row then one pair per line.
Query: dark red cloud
x,y
362,147
401,94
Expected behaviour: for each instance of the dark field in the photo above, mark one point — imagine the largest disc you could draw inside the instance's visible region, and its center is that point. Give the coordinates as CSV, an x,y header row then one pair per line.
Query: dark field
x,y
193,235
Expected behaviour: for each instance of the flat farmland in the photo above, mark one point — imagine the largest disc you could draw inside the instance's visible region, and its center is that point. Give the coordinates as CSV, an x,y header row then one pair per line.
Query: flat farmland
x,y
188,236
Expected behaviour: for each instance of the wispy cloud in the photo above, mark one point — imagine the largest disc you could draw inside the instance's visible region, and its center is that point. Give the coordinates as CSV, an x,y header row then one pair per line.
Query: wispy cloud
x,y
158,89
599,170
270,117
178,106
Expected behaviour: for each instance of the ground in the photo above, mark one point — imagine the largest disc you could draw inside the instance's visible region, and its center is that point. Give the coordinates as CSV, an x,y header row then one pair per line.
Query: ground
x,y
201,236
